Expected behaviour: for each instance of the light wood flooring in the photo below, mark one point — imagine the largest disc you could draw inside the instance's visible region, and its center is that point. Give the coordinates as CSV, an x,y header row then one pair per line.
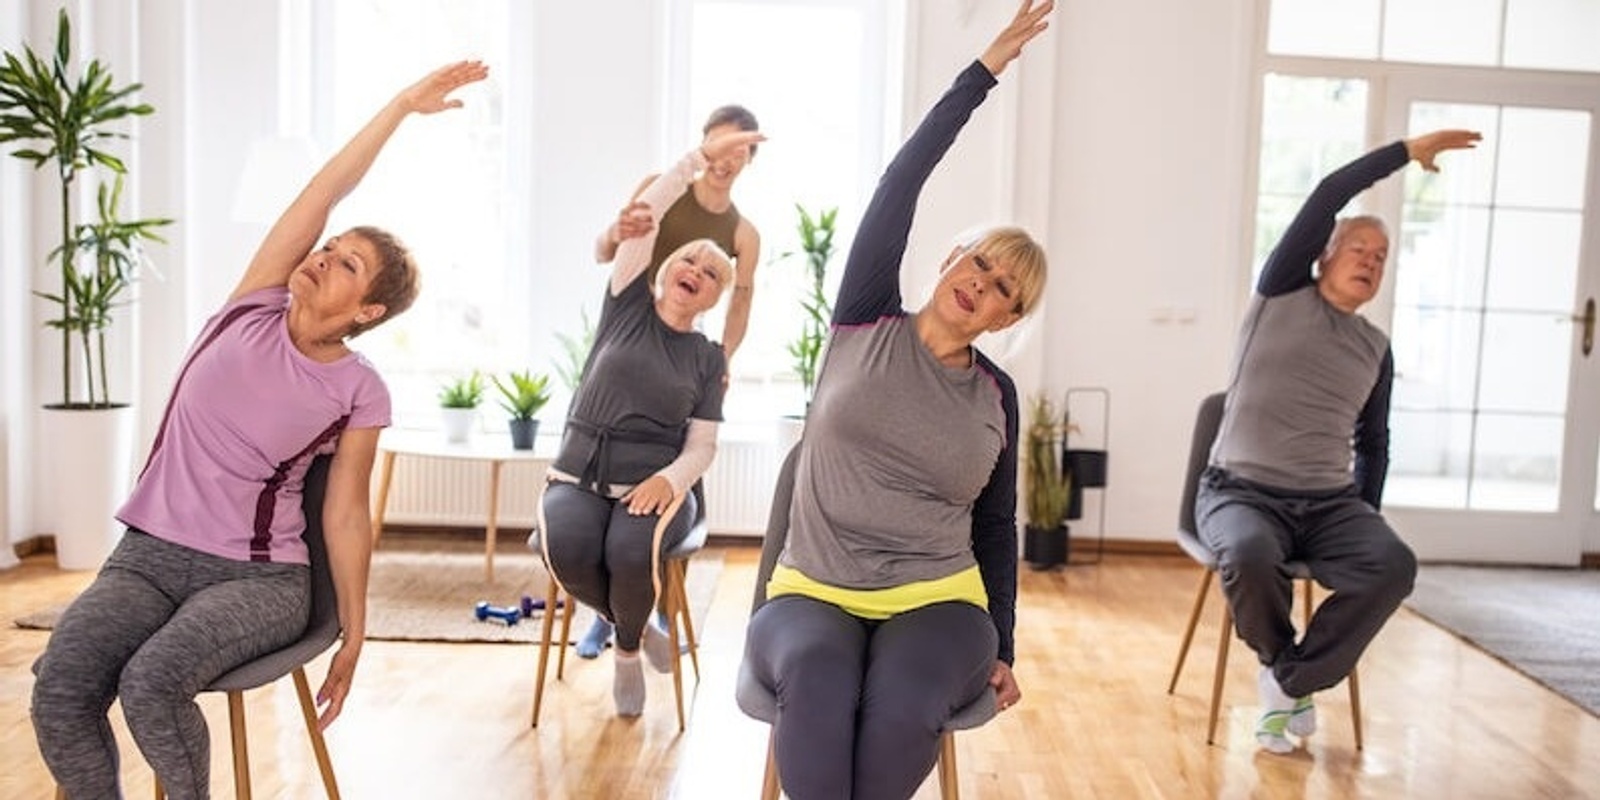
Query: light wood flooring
x,y
1095,643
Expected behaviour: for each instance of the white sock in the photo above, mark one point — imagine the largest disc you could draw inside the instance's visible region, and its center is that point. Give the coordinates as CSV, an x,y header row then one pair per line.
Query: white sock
x,y
1276,709
657,646
627,687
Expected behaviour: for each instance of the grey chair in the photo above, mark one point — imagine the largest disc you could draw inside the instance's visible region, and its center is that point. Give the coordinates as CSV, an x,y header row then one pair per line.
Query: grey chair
x,y
759,702
1206,423
675,604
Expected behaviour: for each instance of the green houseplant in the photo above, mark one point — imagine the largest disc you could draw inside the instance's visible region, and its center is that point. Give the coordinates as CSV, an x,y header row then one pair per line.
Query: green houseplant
x,y
68,119
459,399
1047,485
61,115
522,399
816,245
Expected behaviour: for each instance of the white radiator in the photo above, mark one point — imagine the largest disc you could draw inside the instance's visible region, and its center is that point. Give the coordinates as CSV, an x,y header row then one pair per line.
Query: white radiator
x,y
452,493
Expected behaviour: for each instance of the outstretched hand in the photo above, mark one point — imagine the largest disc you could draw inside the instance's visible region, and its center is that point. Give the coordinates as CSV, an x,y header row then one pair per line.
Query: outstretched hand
x,y
430,95
1425,147
1028,23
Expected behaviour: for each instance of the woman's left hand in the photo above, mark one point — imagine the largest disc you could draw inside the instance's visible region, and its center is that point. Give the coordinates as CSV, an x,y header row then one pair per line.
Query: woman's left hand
x,y
650,497
341,670
1005,685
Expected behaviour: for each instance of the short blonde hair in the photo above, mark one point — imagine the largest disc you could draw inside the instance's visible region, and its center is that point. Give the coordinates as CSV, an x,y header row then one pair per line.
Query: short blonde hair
x,y
1014,246
697,248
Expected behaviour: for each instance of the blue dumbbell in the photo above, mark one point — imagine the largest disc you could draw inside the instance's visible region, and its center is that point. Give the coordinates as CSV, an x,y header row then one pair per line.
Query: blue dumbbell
x,y
532,605
509,616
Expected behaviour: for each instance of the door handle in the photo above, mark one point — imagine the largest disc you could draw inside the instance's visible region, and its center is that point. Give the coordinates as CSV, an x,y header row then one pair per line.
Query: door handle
x,y
1587,318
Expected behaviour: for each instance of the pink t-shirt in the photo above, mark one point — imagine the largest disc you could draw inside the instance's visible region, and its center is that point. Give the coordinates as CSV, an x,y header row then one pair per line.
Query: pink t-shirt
x,y
248,414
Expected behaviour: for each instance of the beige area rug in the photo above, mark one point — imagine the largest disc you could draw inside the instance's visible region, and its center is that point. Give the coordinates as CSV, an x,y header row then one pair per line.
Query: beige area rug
x,y
427,592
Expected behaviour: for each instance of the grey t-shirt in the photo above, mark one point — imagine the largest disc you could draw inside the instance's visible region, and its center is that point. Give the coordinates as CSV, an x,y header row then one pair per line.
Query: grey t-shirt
x,y
885,502
641,385
1303,370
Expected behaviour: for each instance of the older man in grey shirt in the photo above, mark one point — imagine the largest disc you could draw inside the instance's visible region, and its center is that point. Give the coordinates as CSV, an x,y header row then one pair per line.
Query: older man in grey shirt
x,y
1298,466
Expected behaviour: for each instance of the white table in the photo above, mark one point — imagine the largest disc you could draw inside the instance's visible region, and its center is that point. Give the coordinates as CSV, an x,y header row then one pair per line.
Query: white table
x,y
491,451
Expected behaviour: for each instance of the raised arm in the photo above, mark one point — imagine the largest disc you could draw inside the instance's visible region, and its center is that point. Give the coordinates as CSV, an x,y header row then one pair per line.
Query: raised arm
x,y
870,286
633,255
296,232
1289,266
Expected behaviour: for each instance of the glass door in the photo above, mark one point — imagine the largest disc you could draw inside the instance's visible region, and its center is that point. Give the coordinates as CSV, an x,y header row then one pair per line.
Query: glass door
x,y
1496,409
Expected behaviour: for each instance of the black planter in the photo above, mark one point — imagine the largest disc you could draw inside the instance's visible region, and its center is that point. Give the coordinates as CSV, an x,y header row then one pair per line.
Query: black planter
x,y
522,433
1044,548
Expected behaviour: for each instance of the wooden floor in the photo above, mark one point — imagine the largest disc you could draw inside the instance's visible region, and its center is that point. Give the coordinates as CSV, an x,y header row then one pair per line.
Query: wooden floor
x,y
1095,647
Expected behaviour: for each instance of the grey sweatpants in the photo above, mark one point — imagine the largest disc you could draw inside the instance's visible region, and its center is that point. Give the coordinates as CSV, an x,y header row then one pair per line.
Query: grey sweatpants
x,y
158,624
862,704
607,558
1254,529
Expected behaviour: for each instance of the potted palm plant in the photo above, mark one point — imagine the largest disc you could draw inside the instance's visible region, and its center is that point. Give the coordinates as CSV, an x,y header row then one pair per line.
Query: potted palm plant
x,y
458,406
1047,486
816,245
64,117
522,399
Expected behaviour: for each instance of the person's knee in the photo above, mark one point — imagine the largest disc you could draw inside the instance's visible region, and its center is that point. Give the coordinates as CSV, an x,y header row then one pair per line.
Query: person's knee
x,y
1252,557
1397,566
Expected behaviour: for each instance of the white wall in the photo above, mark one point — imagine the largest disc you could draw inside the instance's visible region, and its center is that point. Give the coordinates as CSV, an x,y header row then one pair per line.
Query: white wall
x,y
1119,139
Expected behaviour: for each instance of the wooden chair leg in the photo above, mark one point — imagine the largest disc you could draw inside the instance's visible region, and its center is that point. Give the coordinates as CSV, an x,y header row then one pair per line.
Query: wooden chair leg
x,y
1306,606
1188,632
949,786
546,630
161,791
769,778
241,748
1355,706
681,589
319,745
1221,673
566,627
673,612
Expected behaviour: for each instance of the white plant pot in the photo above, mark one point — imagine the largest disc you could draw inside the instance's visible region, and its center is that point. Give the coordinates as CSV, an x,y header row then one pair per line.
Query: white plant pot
x,y
458,423
91,472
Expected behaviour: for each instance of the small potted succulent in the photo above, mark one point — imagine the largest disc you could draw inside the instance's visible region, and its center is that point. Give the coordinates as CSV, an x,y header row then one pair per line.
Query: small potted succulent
x,y
458,405
522,395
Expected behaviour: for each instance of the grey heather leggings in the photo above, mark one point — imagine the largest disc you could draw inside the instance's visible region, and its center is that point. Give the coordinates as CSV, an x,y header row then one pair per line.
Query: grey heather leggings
x,y
158,624
604,556
862,703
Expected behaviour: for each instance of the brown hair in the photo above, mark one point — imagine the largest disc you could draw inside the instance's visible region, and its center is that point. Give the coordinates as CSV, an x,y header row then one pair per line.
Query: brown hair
x,y
397,283
735,115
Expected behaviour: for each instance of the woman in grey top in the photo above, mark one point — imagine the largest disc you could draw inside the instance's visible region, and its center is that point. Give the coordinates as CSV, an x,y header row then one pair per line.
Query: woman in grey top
x,y
893,602
641,430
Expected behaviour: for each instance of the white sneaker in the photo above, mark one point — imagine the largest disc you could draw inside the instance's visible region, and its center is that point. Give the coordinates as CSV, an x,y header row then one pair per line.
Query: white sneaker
x,y
1276,710
1303,719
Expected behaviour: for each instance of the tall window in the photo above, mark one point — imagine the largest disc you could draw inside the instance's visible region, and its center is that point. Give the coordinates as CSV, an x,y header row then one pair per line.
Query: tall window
x,y
821,76
817,74
429,187
1481,263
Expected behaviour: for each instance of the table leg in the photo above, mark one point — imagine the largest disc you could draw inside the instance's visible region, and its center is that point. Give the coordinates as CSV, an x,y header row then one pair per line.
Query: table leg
x,y
490,528
381,503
